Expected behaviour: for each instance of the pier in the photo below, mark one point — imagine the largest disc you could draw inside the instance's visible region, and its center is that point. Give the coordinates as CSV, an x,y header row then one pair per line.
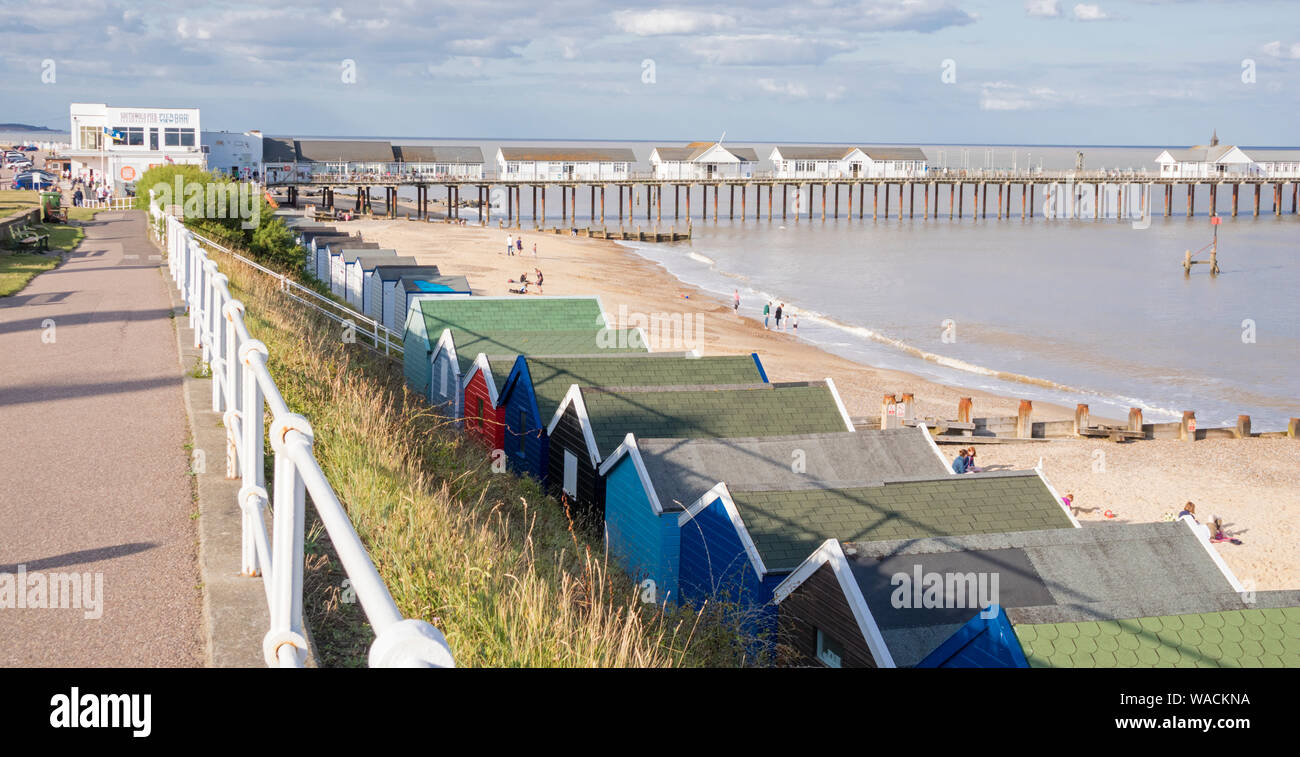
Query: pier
x,y
644,199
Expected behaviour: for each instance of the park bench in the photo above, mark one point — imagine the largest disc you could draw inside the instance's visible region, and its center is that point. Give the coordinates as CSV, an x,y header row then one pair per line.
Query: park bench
x,y
26,237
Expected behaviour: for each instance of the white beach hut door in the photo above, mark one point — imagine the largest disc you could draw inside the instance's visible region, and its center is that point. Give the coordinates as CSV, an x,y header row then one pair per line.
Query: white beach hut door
x,y
570,473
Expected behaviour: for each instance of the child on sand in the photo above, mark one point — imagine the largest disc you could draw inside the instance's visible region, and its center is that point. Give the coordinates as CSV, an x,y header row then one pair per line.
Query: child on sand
x,y
735,306
959,465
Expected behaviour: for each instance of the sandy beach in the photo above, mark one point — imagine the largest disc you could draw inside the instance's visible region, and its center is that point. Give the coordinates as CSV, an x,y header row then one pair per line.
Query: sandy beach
x,y
1251,483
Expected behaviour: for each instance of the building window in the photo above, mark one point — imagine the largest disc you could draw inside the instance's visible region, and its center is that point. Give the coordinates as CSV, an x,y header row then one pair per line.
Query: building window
x,y
128,135
829,651
92,138
178,137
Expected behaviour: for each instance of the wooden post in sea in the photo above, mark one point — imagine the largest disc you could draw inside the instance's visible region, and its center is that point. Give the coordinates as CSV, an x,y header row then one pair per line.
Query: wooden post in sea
x,y
963,410
1135,419
659,205
875,200
952,189
1081,421
936,199
1214,199
886,201
908,410
1187,427
1257,199
911,201
888,413
927,201
1022,200
1191,199
1025,420
900,201
1235,187
999,216
1243,427
850,201
961,199
1293,428
984,205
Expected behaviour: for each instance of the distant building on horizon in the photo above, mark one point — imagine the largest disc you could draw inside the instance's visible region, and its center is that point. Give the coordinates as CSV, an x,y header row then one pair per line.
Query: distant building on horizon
x,y
233,153
120,144
564,163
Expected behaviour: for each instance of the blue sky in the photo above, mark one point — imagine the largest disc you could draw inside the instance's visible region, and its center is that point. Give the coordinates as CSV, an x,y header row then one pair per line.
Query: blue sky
x,y
1038,72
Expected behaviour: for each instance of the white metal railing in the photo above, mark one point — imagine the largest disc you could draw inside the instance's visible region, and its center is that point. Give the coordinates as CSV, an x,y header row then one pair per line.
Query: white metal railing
x,y
242,389
384,339
112,203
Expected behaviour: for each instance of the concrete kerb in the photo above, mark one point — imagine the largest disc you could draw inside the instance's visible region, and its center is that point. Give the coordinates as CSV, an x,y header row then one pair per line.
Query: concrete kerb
x,y
235,614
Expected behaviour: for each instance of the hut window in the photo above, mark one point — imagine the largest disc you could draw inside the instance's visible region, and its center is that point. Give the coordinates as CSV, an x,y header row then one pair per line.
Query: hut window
x,y
829,651
570,473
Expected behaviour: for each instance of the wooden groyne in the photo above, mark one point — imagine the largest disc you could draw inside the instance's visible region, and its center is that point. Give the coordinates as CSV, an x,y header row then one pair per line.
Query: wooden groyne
x,y
899,411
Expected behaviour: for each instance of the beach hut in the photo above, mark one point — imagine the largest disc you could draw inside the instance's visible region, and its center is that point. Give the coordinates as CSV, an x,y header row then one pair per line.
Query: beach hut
x,y
535,386
651,485
356,263
444,335
1094,597
564,163
415,286
591,422
440,161
703,160
329,247
376,289
341,257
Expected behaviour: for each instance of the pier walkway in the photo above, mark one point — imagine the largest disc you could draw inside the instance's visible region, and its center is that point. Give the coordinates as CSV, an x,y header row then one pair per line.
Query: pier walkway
x,y
94,469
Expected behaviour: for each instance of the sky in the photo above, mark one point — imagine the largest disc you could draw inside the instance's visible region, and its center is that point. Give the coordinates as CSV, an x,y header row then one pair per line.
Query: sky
x,y
1153,72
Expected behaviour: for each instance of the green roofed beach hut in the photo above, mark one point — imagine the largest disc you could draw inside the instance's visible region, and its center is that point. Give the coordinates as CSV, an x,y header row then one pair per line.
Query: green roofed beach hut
x,y
444,335
591,422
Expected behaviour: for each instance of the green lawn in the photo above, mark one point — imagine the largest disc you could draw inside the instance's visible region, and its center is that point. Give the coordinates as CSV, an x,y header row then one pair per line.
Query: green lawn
x,y
18,269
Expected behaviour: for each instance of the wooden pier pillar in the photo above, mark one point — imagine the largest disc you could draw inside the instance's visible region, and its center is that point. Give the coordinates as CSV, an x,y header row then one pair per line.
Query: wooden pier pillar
x,y
1187,427
810,202
659,205
886,201
927,201
1135,419
1295,194
999,216
810,191
963,410
1277,200
1243,427
1169,199
1191,195
961,199
836,188
900,200
647,203
850,198
510,205
715,203
1081,421
620,205
952,188
862,201
784,187
1096,201
744,202
1214,200
1025,420
1032,187
984,205
1257,199
731,203
875,201
1235,186
564,205
911,201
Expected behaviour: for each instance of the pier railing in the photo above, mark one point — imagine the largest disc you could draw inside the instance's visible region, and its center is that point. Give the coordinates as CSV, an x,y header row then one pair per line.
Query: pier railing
x,y
243,390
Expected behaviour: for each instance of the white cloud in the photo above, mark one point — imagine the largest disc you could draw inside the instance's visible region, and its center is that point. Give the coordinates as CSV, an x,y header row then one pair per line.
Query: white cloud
x,y
1089,12
787,88
183,29
1044,8
1276,50
1001,95
764,49
661,21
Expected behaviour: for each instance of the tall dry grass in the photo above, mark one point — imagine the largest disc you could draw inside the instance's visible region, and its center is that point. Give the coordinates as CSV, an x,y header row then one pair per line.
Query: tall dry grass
x,y
486,556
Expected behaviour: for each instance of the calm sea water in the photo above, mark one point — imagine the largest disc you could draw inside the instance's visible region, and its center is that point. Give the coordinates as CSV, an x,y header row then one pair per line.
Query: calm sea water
x,y
1057,310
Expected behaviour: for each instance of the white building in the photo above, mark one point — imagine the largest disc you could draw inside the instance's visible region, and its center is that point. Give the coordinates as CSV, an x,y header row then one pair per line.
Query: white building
x,y
280,160
123,143
440,161
1204,161
1275,164
234,154
703,160
564,163
818,162
345,157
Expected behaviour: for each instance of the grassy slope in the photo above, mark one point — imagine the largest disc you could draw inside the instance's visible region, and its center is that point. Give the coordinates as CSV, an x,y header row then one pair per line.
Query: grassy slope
x,y
18,269
487,557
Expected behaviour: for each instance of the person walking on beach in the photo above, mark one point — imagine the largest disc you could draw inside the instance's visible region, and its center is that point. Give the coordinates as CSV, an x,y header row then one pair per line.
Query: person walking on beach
x,y
779,309
534,249
538,271
510,244
519,244
767,313
735,305
794,324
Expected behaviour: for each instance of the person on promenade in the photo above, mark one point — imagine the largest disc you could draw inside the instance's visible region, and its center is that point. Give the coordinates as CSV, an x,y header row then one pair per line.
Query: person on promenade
x,y
767,313
779,309
959,465
735,305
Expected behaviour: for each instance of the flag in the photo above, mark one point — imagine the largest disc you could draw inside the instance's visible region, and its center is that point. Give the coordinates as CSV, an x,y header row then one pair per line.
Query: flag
x,y
168,158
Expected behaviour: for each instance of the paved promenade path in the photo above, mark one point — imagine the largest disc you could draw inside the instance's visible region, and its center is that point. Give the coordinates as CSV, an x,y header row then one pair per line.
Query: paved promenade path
x,y
93,465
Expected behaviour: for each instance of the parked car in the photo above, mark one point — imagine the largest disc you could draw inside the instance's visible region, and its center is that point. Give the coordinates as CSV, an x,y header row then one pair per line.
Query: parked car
x,y
29,148
34,180
18,163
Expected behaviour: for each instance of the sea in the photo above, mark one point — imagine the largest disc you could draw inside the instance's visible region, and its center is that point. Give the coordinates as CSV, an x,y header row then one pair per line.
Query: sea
x,y
1061,310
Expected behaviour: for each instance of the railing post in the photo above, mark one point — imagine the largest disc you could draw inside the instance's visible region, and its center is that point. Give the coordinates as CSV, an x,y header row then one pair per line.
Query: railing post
x,y
252,355
217,338
288,502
